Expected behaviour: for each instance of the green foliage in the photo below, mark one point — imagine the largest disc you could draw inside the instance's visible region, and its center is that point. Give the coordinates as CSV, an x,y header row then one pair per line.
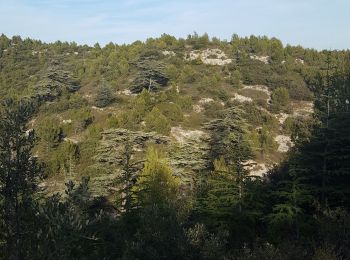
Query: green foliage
x,y
50,132
235,79
130,167
104,96
234,215
156,121
280,100
292,194
188,75
66,225
299,128
19,176
156,184
185,103
223,199
171,111
198,42
172,71
150,75
266,141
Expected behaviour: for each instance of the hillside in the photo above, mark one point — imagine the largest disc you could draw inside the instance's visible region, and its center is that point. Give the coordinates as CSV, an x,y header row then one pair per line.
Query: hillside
x,y
191,147
188,82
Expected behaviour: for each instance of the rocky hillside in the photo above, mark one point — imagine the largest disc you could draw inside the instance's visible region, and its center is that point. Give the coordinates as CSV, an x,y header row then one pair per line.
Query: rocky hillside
x,y
93,102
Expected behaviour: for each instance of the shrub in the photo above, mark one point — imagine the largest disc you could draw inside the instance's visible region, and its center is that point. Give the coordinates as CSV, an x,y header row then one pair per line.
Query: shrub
x,y
213,109
156,121
171,111
50,132
185,103
280,100
235,79
188,75
104,96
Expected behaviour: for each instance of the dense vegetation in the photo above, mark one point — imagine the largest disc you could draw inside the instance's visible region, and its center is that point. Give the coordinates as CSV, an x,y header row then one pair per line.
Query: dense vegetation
x,y
62,197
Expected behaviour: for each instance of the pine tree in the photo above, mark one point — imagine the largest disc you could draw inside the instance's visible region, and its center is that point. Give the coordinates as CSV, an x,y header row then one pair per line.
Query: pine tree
x,y
156,121
266,142
150,75
223,201
236,79
292,196
156,184
50,132
328,148
19,174
159,234
104,95
280,100
128,179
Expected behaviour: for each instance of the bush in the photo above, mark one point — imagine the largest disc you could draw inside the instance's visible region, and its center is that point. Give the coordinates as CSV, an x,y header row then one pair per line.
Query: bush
x,y
171,111
213,109
235,79
156,121
104,96
50,132
280,100
188,75
185,103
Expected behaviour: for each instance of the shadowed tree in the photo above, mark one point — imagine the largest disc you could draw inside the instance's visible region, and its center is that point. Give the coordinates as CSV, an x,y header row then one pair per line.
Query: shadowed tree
x,y
19,173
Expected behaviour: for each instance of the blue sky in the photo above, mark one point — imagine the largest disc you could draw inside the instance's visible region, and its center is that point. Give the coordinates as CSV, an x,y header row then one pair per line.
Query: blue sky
x,y
321,24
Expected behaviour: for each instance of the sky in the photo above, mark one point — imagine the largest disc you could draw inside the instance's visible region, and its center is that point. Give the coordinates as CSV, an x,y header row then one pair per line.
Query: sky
x,y
320,24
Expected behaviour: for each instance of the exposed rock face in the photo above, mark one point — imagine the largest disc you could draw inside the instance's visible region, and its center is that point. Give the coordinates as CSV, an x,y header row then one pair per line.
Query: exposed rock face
x,y
256,169
284,143
205,101
301,61
282,117
264,59
66,121
303,108
169,53
126,92
259,88
197,108
182,136
209,57
241,98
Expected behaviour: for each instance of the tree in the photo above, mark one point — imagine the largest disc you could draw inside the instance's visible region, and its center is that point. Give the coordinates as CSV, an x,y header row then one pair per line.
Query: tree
x,y
19,175
150,75
222,203
280,100
55,81
127,181
236,79
66,225
159,233
104,95
276,50
50,132
156,121
156,184
292,194
329,145
266,142
71,155
171,111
